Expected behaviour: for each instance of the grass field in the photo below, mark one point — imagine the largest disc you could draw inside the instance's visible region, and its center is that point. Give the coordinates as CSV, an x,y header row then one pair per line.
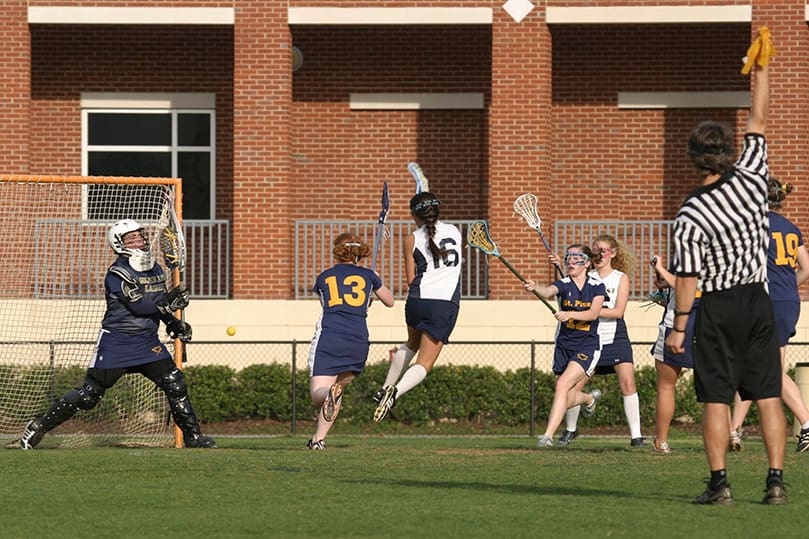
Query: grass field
x,y
373,486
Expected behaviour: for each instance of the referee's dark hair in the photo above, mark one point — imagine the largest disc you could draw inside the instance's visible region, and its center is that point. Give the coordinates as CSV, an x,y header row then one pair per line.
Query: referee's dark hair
x,y
712,149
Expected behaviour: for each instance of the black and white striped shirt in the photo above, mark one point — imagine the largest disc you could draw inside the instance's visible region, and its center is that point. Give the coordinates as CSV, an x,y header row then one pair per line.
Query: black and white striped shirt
x,y
721,231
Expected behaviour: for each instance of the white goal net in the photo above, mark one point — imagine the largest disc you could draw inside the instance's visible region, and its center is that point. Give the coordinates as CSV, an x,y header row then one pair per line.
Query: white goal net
x,y
53,235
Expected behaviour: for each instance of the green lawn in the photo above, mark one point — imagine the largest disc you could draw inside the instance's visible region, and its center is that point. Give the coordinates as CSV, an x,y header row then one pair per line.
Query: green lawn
x,y
372,486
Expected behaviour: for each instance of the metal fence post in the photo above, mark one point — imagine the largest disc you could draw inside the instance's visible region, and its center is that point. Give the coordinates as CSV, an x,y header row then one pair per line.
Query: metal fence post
x,y
532,385
294,386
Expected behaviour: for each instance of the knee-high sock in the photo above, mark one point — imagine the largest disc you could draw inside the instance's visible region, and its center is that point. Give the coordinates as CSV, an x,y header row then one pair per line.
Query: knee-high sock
x,y
632,411
412,377
572,418
401,359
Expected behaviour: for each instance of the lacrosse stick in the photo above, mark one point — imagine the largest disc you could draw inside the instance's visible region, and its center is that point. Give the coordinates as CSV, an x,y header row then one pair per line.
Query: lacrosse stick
x,y
422,183
526,207
383,217
478,236
172,243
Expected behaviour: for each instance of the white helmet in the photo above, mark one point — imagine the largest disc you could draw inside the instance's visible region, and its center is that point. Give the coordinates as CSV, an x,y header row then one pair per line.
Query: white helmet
x,y
140,260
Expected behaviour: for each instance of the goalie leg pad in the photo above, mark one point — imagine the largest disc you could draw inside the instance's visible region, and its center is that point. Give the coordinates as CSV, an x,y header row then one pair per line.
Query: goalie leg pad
x,y
173,385
87,396
58,413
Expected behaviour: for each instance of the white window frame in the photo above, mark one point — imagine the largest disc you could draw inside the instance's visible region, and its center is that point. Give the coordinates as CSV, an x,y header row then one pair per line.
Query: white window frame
x,y
152,104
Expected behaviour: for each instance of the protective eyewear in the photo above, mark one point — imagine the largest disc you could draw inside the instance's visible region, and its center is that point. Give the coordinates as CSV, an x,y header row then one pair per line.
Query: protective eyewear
x,y
576,259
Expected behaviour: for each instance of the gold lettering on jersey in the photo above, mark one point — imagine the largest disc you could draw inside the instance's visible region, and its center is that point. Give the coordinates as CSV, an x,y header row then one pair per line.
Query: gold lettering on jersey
x,y
577,303
153,283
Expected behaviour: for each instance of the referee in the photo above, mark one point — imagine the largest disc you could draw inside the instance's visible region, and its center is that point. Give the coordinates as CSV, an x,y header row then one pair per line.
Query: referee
x,y
721,235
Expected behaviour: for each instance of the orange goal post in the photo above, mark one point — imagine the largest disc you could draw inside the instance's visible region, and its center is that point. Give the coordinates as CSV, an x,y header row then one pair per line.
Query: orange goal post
x,y
53,234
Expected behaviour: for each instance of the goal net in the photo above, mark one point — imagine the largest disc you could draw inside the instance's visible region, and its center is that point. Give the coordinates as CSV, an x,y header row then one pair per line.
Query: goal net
x,y
53,234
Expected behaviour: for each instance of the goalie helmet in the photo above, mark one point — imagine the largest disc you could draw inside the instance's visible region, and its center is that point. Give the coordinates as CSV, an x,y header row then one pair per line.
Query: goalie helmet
x,y
139,259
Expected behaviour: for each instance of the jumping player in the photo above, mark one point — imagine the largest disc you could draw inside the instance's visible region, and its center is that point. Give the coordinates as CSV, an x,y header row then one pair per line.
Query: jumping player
x,y
432,257
137,300
340,345
577,350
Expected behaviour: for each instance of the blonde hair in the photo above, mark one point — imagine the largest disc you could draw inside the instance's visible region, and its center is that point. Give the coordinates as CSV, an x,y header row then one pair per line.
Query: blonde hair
x,y
624,259
349,248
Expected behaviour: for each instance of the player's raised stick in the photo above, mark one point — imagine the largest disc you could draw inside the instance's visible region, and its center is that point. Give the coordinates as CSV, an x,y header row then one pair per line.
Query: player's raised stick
x,y
422,183
172,243
478,236
526,207
383,217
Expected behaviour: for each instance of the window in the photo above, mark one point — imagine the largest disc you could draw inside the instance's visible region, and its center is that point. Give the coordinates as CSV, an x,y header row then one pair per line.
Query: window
x,y
153,141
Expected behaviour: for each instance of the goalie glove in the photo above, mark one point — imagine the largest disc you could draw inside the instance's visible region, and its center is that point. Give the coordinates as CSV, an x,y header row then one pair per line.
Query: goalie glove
x,y
178,329
175,300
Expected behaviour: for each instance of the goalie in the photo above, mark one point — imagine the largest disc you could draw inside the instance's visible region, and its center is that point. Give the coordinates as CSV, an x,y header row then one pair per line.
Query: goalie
x,y
137,301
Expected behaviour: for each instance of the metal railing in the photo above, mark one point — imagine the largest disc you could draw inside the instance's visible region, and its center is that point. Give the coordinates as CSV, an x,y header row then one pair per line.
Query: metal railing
x,y
208,258
644,238
313,246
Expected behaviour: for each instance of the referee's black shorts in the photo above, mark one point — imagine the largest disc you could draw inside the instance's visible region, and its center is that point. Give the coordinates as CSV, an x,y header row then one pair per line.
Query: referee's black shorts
x,y
736,346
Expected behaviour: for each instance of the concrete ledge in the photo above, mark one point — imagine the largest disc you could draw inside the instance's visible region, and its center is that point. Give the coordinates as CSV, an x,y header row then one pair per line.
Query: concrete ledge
x,y
416,101
389,15
130,15
648,14
683,100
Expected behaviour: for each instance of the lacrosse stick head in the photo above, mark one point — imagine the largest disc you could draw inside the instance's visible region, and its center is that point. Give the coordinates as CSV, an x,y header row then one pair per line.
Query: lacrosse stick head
x,y
383,215
172,239
477,235
526,207
422,183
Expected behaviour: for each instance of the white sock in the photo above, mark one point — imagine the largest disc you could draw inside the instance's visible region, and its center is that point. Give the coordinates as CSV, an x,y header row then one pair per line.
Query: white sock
x,y
412,377
632,411
805,425
572,418
401,359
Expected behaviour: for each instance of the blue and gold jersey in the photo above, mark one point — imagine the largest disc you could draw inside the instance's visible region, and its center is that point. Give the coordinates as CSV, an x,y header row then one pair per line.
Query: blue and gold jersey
x,y
576,334
132,298
344,290
782,259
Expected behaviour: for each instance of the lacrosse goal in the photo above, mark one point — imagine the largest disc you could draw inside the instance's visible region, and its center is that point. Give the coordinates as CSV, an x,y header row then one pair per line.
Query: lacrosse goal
x,y
53,233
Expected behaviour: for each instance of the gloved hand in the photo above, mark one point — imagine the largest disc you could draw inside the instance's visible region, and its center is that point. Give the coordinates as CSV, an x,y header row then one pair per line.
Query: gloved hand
x,y
177,329
176,299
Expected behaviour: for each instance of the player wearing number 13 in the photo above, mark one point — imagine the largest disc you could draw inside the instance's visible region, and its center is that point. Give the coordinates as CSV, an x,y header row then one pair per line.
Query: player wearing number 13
x,y
340,345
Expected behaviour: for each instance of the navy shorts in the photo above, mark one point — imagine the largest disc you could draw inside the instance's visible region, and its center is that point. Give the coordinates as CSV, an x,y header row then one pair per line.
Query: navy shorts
x,y
786,318
435,317
736,346
588,359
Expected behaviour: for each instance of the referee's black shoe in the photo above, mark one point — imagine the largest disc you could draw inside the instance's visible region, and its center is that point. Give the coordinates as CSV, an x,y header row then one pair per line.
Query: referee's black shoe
x,y
719,496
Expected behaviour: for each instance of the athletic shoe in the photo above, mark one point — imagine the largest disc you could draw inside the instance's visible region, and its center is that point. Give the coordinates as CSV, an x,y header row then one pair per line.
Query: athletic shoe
x,y
638,442
736,444
388,401
378,394
589,409
661,447
199,441
31,436
544,441
567,437
803,441
776,494
316,445
720,496
334,396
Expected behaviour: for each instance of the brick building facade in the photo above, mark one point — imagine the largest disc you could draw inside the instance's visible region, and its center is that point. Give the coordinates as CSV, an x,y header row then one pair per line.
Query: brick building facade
x,y
586,104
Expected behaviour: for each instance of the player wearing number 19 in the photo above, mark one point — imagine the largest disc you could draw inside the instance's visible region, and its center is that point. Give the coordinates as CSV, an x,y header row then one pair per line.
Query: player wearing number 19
x,y
340,345
137,301
432,257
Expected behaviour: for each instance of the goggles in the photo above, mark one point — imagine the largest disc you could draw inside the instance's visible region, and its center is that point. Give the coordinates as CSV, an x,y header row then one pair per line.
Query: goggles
x,y
576,259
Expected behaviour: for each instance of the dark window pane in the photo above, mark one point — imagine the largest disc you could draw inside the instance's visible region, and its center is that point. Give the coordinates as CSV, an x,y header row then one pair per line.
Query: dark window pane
x,y
154,164
195,170
129,129
194,129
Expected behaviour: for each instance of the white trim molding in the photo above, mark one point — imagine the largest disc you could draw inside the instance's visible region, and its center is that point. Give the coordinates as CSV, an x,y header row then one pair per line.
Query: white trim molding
x,y
389,15
683,100
648,14
416,101
147,100
130,15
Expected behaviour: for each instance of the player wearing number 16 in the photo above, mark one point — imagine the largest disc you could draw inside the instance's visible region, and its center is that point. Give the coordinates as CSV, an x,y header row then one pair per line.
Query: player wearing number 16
x,y
340,345
137,301
432,259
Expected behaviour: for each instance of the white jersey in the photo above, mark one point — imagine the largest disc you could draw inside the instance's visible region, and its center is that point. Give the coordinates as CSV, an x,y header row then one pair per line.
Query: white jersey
x,y
611,329
437,279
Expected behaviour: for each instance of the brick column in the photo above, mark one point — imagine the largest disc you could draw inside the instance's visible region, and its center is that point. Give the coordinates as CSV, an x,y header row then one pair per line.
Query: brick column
x,y
263,246
520,130
15,92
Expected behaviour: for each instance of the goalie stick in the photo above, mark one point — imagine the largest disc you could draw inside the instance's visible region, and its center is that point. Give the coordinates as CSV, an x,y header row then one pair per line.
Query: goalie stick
x,y
478,236
526,207
422,183
172,243
383,217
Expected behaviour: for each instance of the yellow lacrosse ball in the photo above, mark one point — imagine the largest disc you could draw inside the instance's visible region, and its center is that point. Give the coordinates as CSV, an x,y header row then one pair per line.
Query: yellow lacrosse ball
x,y
231,331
